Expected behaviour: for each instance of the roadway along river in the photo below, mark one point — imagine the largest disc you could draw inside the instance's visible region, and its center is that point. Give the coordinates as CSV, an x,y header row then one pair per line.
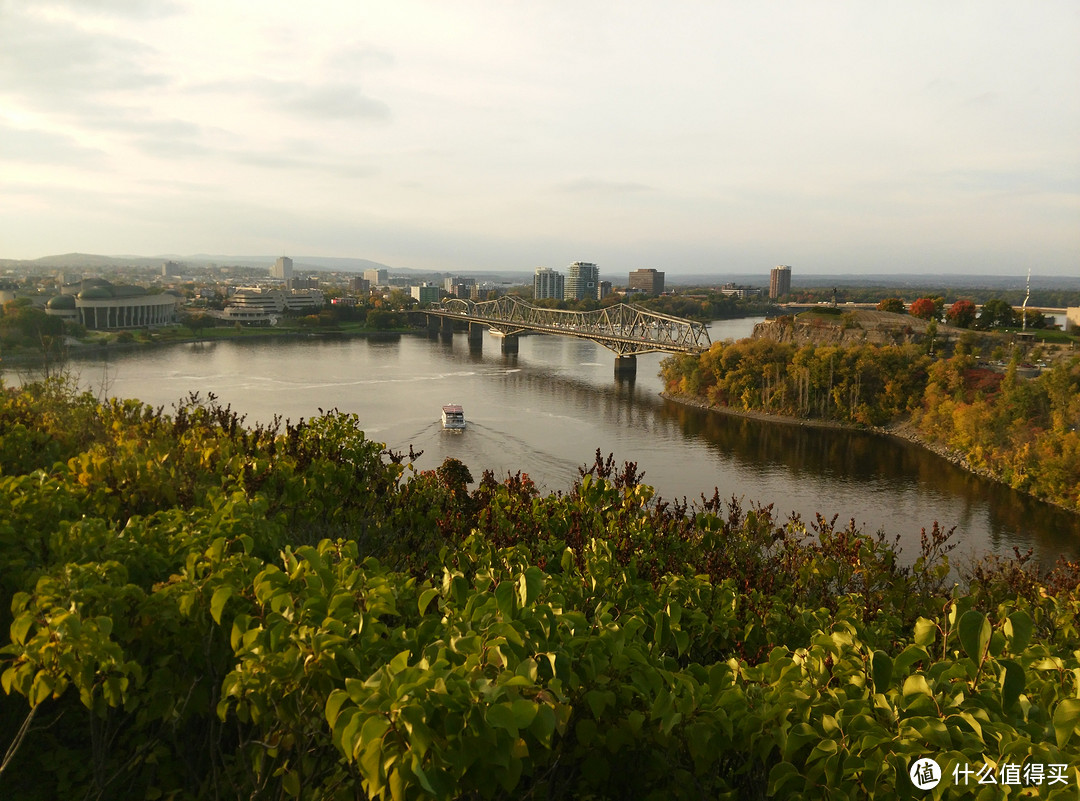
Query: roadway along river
x,y
546,411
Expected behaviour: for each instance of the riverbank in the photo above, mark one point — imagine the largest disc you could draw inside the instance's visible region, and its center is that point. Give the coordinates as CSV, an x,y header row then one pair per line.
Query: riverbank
x,y
904,430
77,351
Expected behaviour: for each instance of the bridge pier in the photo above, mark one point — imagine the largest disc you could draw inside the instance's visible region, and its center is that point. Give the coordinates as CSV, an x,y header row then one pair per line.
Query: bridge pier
x,y
447,326
434,323
510,345
476,335
625,366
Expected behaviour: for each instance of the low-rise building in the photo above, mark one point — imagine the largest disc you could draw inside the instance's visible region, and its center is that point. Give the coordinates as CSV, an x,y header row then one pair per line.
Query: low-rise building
x,y
1072,318
101,305
740,291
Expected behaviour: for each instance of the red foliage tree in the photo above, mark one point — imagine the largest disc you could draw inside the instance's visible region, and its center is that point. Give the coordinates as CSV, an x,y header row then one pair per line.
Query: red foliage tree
x,y
923,308
961,313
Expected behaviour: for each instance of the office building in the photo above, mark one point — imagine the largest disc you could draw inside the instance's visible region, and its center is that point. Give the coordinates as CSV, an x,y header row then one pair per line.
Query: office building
x,y
425,293
548,284
282,269
779,281
453,281
648,281
376,277
740,291
582,281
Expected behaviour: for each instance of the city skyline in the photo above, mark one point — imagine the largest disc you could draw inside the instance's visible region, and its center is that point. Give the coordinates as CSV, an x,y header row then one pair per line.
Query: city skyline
x,y
836,136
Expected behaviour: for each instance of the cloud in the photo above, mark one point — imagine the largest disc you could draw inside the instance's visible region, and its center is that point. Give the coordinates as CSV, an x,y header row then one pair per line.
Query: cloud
x,y
326,101
58,66
43,147
597,186
132,9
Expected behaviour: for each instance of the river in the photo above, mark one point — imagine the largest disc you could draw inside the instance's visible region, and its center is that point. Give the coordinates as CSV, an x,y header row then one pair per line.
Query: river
x,y
546,411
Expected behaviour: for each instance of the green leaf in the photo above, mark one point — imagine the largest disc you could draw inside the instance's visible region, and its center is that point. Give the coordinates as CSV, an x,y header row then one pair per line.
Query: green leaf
x,y
1018,629
543,725
501,716
20,627
916,685
217,602
504,599
908,657
524,712
425,598
422,777
290,782
586,731
881,668
925,632
1065,718
781,775
975,631
333,706
1012,682
530,584
932,731
398,663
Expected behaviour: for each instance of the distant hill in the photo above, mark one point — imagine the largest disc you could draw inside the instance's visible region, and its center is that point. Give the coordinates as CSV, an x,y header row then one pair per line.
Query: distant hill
x,y
90,261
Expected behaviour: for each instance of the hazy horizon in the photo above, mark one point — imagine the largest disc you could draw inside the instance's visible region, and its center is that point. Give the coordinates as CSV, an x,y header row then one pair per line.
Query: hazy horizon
x,y
837,137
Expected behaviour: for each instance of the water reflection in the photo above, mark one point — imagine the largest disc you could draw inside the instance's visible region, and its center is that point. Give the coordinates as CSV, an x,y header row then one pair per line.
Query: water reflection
x,y
548,408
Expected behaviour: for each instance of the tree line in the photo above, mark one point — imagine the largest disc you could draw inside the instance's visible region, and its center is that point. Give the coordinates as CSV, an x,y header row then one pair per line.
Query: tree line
x,y
1022,431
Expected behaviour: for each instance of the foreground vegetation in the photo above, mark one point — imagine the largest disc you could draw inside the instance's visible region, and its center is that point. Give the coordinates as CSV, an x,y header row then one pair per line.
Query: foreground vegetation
x,y
196,609
1021,431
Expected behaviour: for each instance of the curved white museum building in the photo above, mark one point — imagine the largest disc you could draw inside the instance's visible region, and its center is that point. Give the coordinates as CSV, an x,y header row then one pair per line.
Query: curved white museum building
x,y
101,304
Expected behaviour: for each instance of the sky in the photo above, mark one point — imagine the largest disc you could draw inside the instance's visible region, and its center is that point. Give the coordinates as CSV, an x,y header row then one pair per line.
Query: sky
x,y
693,137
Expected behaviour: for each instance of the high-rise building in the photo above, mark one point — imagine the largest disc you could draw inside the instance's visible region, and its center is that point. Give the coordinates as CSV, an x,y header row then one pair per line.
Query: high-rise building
x,y
548,284
779,281
582,281
282,269
648,281
425,293
455,281
376,277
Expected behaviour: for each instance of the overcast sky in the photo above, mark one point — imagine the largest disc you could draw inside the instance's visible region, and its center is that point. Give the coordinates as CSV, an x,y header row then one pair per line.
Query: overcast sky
x,y
720,137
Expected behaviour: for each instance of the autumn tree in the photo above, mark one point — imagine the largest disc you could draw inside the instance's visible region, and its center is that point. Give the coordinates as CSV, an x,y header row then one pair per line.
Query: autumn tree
x,y
924,309
961,314
895,305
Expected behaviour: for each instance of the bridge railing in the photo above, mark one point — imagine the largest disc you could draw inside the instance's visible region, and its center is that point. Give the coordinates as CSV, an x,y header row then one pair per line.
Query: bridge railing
x,y
623,328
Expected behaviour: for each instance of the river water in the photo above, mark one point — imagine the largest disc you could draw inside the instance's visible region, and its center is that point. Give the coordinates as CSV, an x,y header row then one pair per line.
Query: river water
x,y
546,411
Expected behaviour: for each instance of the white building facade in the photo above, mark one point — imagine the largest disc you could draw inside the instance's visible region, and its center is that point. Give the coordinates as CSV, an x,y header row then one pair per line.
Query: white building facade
x,y
548,284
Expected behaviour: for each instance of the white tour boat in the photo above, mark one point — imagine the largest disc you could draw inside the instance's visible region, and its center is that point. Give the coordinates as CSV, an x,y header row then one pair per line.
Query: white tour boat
x,y
453,417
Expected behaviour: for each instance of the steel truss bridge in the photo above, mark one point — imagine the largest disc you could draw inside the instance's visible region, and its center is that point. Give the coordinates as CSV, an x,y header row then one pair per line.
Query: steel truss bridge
x,y
624,329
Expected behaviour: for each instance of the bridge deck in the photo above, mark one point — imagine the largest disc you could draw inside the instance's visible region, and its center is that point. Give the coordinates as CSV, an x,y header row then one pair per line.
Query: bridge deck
x,y
624,329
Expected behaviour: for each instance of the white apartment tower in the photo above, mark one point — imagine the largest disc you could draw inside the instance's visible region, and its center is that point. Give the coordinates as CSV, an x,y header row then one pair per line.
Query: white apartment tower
x,y
548,284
